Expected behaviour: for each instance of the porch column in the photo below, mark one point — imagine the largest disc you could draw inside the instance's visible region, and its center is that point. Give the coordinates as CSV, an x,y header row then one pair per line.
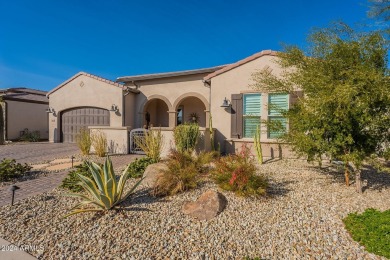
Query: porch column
x,y
172,118
207,114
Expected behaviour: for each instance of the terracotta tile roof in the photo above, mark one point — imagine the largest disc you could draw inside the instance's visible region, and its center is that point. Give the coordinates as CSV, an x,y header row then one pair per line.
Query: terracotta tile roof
x,y
24,94
167,74
88,75
241,62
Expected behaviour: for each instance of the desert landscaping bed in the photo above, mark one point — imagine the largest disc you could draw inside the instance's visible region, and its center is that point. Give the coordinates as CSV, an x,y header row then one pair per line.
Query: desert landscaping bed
x,y
301,218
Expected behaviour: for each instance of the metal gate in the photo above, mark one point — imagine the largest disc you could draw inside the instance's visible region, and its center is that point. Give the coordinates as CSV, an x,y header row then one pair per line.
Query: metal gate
x,y
136,133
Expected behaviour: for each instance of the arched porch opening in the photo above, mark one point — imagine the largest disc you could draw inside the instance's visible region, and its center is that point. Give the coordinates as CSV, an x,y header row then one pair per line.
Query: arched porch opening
x,y
191,109
155,114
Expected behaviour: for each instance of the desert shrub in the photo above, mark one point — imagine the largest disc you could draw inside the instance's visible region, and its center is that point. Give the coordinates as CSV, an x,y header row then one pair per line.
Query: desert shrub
x,y
371,229
84,141
137,168
28,136
99,143
386,154
237,173
186,137
72,181
9,169
151,143
181,175
103,191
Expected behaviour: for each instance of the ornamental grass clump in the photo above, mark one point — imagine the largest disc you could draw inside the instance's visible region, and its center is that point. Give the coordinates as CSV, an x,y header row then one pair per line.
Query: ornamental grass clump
x,y
151,143
181,175
84,141
99,143
237,173
185,171
186,137
103,191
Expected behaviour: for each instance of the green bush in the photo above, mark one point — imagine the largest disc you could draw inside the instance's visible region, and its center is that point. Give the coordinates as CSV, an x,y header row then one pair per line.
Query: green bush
x,y
371,229
186,137
137,168
27,136
9,169
71,182
237,173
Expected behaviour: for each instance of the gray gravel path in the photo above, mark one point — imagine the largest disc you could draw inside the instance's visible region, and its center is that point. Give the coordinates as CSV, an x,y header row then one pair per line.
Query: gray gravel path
x,y
302,219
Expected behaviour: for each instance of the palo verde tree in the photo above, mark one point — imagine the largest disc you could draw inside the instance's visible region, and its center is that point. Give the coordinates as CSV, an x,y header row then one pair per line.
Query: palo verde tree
x,y
344,110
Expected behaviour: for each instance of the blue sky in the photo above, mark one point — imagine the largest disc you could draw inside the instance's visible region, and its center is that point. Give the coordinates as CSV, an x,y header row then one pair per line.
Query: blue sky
x,y
42,43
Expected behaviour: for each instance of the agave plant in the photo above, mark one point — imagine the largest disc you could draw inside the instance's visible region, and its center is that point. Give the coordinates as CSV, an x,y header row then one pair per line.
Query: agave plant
x,y
104,191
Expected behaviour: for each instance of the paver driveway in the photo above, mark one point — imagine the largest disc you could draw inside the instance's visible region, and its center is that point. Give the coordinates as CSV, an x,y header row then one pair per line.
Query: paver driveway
x,y
37,152
43,152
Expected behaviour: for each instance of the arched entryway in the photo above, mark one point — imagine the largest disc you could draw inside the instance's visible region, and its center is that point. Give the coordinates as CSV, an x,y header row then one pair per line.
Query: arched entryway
x,y
191,108
155,113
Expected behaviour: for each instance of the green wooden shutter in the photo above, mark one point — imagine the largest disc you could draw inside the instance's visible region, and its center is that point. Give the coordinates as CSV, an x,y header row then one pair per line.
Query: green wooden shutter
x,y
252,113
236,116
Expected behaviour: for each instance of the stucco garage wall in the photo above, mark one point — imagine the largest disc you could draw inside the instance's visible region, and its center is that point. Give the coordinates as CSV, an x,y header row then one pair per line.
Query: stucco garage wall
x,y
84,91
236,81
21,115
172,89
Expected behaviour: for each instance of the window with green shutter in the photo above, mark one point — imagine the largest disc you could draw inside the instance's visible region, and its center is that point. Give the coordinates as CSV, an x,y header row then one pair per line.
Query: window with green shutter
x,y
251,114
277,104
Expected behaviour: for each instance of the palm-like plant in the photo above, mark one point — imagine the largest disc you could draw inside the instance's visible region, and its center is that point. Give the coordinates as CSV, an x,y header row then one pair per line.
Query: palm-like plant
x,y
104,191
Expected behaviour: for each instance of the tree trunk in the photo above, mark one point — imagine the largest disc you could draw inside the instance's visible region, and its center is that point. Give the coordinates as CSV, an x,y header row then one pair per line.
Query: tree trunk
x,y
1,124
346,173
359,183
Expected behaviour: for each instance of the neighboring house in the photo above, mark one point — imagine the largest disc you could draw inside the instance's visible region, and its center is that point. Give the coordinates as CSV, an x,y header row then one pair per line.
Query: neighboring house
x,y
22,109
165,100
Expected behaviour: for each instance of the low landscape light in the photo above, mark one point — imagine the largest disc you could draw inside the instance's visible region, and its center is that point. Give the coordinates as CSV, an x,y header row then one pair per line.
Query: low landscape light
x,y
13,188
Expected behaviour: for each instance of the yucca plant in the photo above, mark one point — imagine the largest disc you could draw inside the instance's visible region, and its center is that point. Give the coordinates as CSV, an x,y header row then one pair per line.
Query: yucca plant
x,y
103,191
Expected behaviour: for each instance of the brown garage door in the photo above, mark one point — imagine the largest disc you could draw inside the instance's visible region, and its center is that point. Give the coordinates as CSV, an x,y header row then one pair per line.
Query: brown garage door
x,y
74,119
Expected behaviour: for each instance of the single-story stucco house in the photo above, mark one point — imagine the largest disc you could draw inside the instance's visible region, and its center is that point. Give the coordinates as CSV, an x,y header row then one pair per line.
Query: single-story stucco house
x,y
165,100
21,109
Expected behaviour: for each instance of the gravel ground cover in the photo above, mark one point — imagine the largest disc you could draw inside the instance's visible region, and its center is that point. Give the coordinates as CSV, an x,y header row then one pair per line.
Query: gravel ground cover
x,y
301,219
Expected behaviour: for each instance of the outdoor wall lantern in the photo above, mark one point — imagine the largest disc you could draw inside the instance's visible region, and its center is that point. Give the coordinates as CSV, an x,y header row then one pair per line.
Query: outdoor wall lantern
x,y
114,108
50,110
226,103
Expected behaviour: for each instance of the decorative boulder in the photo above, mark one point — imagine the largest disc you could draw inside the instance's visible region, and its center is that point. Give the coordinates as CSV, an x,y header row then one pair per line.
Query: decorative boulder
x,y
207,206
152,173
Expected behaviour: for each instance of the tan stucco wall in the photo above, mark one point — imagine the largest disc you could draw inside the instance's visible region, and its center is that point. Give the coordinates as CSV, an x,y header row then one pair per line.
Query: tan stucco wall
x,y
84,91
117,138
21,115
236,81
174,90
129,110
169,141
